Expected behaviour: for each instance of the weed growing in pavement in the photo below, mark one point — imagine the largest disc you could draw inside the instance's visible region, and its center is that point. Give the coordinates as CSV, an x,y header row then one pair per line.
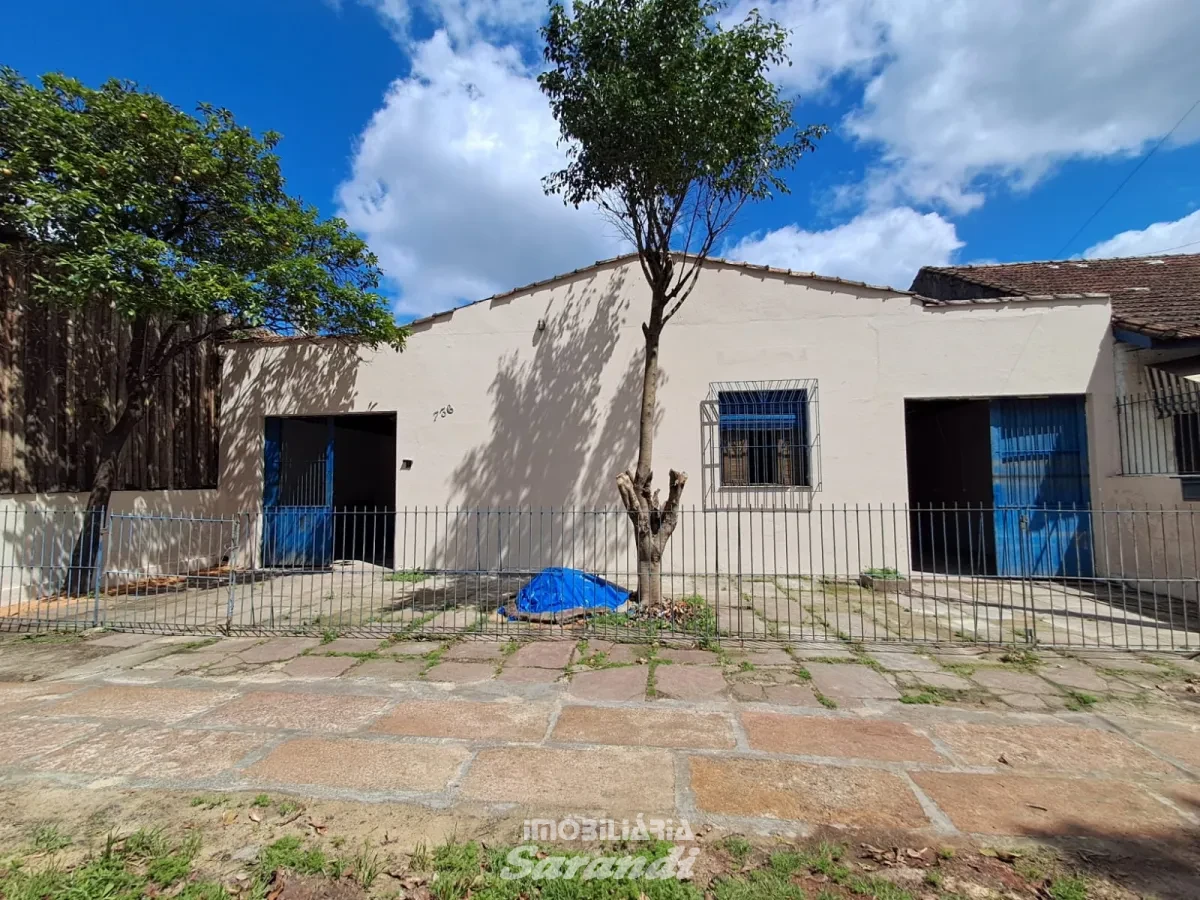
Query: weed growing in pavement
x,y
827,702
926,697
1081,700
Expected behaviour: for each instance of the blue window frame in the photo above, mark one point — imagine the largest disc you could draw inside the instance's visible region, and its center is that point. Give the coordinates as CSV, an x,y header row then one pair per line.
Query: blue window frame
x,y
764,438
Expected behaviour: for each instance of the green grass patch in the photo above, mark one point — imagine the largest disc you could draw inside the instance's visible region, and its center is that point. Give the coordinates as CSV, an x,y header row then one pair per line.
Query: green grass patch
x,y
878,889
883,572
262,801
329,635
1078,701
1069,888
963,670
360,654
737,847
433,657
48,839
144,864
745,666
406,576
291,853
760,885
827,702
923,698
802,673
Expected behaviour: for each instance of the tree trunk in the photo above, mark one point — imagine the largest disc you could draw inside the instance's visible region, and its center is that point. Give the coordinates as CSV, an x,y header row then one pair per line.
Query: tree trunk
x,y
653,523
83,571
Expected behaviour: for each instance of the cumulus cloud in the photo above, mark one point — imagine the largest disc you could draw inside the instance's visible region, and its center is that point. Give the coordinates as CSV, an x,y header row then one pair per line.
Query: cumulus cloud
x,y
1179,236
884,247
446,181
959,92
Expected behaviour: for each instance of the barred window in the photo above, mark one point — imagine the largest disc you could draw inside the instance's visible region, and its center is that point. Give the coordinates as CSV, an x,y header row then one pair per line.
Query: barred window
x,y
764,438
760,444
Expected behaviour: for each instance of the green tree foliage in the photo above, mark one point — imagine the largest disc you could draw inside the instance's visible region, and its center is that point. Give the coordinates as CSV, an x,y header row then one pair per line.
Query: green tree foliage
x,y
671,125
180,222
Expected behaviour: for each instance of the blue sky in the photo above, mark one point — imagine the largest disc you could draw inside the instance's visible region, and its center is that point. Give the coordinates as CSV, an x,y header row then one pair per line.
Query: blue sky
x,y
961,131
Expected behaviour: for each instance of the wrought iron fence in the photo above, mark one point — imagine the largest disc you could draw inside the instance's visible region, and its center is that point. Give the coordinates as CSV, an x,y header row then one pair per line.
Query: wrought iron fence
x,y
1030,575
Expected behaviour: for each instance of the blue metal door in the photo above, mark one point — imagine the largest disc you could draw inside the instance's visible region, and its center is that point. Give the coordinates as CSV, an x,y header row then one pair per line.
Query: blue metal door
x,y
298,492
1040,487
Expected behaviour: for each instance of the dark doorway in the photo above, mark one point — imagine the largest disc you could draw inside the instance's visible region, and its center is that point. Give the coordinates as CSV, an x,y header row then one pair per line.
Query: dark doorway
x,y
950,485
364,487
329,489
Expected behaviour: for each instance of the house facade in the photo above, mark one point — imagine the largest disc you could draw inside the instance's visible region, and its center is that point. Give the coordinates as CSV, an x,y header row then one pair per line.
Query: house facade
x,y
814,416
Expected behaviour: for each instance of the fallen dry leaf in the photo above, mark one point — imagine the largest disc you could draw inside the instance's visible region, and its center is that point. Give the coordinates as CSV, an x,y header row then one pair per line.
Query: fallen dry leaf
x,y
255,817
229,818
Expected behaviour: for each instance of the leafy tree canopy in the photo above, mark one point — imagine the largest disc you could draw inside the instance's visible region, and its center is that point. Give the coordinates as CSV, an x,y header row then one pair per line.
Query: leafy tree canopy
x,y
172,217
670,120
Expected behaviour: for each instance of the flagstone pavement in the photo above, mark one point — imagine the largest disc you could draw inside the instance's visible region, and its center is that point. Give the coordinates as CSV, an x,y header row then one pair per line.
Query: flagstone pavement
x,y
774,738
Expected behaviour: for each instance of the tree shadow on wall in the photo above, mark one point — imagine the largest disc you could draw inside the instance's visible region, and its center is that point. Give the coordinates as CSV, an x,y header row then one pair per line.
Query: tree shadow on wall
x,y
540,490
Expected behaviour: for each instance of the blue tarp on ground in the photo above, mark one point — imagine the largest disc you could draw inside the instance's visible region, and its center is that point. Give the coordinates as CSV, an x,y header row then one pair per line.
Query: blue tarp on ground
x,y
558,590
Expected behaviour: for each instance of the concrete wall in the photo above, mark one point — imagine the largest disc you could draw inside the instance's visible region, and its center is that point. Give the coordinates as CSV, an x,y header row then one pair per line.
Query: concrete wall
x,y
546,418
151,533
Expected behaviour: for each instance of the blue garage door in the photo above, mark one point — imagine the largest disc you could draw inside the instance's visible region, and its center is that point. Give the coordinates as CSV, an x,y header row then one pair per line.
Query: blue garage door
x,y
1041,487
298,492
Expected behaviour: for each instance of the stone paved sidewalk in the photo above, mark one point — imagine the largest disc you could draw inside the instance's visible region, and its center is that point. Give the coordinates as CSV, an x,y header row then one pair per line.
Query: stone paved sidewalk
x,y
775,739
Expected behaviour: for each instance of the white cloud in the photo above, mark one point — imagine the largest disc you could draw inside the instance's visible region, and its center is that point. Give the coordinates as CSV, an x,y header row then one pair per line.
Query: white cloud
x,y
1180,236
446,181
827,38
958,92
465,20
879,247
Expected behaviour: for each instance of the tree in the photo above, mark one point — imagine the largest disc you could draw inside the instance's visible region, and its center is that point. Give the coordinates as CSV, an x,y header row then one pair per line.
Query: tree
x,y
182,224
671,124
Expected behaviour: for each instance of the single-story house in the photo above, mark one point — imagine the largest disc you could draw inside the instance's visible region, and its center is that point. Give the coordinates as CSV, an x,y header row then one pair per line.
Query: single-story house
x,y
825,425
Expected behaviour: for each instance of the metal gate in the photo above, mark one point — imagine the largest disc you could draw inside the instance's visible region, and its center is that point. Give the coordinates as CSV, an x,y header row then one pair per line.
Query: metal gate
x,y
298,522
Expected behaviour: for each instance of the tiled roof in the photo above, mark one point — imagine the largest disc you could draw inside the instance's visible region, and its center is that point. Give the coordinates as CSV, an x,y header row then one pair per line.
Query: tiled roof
x,y
1158,296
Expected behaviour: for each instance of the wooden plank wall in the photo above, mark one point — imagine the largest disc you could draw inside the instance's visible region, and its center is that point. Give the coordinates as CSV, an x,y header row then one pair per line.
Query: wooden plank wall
x,y
60,386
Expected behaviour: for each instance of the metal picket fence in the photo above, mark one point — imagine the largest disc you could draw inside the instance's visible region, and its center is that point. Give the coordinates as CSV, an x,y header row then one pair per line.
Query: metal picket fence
x,y
1120,578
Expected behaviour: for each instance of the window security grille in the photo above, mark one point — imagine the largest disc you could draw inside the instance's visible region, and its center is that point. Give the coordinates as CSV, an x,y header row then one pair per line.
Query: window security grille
x,y
760,444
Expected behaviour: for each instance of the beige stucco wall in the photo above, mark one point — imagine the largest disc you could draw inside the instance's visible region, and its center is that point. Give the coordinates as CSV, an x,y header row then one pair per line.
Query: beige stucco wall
x,y
150,533
546,418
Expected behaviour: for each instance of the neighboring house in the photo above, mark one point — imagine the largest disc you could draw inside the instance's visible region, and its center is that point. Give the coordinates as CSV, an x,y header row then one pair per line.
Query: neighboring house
x,y
788,393
1155,304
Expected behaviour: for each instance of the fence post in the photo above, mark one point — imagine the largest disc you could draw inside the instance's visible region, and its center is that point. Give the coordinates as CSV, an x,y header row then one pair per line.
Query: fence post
x,y
233,549
100,541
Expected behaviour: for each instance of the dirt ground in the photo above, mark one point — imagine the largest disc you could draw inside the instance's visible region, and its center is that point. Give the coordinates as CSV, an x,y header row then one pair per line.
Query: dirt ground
x,y
233,830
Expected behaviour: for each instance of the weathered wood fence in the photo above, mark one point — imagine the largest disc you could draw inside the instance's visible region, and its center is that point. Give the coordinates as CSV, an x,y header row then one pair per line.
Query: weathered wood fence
x,y
61,384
